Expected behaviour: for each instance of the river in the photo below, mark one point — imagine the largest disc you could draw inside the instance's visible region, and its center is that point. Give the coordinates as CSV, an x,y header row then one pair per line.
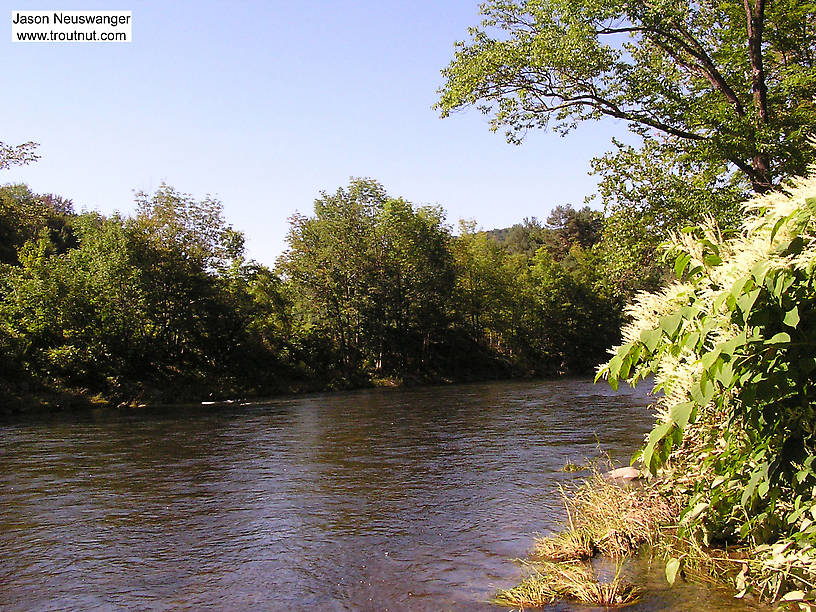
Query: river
x,y
415,499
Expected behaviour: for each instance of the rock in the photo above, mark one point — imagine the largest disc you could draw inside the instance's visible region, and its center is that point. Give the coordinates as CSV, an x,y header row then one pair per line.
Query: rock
x,y
624,474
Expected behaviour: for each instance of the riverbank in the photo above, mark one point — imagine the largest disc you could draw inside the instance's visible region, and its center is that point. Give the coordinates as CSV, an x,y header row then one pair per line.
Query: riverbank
x,y
35,396
622,521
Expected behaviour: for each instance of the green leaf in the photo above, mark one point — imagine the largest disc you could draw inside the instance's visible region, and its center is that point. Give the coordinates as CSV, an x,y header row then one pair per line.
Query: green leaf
x,y
615,366
712,260
656,435
681,413
691,340
756,476
729,346
715,248
703,391
726,375
777,226
760,270
651,338
746,301
792,317
680,264
672,567
671,322
739,285
783,282
780,338
626,366
690,312
710,357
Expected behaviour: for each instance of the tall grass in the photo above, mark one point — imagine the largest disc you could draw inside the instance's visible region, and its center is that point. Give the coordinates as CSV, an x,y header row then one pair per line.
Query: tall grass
x,y
549,582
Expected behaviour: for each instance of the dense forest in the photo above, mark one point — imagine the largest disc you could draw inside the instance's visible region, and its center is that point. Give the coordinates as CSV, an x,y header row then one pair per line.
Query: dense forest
x,y
163,305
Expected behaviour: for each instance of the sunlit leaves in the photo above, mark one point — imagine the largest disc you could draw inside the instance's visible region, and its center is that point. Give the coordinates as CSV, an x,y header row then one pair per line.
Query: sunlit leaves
x,y
734,349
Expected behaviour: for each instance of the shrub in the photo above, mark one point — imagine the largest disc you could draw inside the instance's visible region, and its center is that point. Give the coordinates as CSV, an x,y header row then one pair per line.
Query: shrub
x,y
732,347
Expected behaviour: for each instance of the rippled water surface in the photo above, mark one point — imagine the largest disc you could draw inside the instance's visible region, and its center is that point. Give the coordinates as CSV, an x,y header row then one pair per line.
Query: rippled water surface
x,y
372,500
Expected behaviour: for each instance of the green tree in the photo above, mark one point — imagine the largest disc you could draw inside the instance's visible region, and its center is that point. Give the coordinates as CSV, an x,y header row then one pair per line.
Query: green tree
x,y
579,313
524,238
481,284
160,305
721,95
372,274
732,83
76,316
23,214
188,255
567,227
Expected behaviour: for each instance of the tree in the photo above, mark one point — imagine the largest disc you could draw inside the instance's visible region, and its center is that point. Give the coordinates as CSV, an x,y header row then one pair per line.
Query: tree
x,y
730,83
77,316
648,194
482,285
160,305
567,227
523,238
23,214
187,254
372,273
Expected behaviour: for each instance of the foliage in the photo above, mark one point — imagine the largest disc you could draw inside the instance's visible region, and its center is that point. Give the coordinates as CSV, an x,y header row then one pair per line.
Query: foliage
x,y
731,81
720,98
17,155
164,305
567,227
649,193
372,274
550,312
24,214
731,346
137,305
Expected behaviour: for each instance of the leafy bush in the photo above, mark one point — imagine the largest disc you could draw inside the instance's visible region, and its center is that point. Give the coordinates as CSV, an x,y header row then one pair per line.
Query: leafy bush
x,y
732,347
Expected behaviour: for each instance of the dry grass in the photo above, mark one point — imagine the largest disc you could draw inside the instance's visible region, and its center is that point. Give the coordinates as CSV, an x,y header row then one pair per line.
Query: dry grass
x,y
609,519
569,545
572,581
605,518
619,519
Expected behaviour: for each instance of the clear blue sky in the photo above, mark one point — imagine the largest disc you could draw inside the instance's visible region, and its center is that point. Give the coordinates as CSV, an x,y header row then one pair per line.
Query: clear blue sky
x,y
265,104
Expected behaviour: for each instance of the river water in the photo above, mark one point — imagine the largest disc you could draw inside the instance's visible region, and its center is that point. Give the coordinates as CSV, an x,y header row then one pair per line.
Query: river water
x,y
415,499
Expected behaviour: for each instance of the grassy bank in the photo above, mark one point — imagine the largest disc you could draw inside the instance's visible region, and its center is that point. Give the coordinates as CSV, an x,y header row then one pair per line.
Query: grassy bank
x,y
620,521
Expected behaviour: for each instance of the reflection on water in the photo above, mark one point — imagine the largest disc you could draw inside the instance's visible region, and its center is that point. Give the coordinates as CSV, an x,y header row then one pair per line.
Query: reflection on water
x,y
372,500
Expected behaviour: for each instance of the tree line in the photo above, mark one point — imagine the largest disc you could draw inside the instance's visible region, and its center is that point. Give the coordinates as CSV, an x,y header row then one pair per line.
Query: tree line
x,y
163,305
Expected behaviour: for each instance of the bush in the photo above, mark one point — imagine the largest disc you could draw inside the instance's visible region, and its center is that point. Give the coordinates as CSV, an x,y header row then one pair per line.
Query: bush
x,y
732,346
